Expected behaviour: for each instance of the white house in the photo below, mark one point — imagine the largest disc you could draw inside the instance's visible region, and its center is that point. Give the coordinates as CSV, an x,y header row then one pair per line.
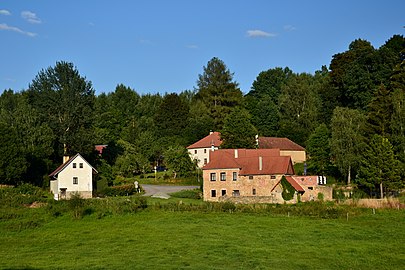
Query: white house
x,y
200,150
75,175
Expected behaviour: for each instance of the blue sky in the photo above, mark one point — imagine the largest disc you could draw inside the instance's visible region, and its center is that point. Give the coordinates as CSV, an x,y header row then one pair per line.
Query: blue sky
x,y
161,46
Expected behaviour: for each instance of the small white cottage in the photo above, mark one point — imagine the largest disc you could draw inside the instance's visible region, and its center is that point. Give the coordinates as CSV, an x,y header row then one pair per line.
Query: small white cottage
x,y
75,175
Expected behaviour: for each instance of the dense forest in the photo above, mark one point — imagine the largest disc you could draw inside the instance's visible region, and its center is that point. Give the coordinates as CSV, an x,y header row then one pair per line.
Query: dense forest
x,y
350,117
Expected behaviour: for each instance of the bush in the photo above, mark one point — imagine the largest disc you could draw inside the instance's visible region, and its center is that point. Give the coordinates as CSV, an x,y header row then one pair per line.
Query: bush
x,y
123,190
188,194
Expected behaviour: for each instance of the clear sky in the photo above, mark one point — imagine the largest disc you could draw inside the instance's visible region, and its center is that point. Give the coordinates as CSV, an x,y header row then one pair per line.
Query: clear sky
x,y
161,46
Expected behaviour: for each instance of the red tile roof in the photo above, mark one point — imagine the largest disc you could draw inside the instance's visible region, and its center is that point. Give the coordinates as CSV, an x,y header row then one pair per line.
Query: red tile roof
x,y
214,139
280,143
64,165
100,147
248,161
293,183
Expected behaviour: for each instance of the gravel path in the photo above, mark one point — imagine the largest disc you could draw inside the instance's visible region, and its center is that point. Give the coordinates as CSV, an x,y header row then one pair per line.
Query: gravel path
x,y
163,191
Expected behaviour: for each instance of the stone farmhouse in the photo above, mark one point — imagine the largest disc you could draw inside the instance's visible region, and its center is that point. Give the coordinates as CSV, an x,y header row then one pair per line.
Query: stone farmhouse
x,y
200,150
75,175
255,176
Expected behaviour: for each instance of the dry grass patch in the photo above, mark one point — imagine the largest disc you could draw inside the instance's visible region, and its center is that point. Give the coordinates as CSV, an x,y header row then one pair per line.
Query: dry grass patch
x,y
389,203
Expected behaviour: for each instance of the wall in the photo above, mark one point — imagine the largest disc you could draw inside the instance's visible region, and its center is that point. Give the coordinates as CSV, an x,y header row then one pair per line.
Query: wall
x,y
296,156
263,184
84,175
202,153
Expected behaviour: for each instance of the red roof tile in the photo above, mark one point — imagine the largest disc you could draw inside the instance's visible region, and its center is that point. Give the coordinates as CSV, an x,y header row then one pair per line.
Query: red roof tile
x,y
280,143
295,185
248,161
214,139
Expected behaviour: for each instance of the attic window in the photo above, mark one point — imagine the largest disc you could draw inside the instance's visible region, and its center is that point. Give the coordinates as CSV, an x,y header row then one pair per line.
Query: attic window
x,y
74,165
81,165
272,177
250,177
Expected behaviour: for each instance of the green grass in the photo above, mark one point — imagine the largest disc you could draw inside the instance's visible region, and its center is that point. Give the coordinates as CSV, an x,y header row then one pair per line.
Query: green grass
x,y
166,239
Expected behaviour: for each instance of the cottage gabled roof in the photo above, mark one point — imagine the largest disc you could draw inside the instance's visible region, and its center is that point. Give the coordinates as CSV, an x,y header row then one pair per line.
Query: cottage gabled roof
x,y
214,139
64,165
251,161
280,143
294,184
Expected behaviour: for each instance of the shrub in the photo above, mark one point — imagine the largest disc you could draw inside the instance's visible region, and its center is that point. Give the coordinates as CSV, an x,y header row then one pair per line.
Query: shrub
x,y
188,194
123,190
288,190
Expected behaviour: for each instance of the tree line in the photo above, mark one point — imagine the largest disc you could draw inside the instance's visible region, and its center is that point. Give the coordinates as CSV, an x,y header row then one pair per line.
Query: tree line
x,y
350,116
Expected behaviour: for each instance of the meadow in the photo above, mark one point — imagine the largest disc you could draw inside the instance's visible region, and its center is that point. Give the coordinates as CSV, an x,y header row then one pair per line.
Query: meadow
x,y
127,233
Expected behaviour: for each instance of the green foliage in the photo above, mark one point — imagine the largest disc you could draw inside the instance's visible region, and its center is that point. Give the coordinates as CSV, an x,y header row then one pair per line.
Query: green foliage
x,y
13,165
288,190
122,190
172,116
347,139
379,167
238,131
178,160
189,194
218,91
318,150
65,101
299,103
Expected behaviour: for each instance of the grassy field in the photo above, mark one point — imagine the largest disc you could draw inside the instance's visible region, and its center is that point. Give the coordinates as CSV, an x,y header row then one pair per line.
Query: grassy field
x,y
156,238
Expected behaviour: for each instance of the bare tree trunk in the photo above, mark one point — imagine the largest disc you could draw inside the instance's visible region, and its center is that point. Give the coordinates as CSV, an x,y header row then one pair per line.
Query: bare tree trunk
x,y
349,176
381,190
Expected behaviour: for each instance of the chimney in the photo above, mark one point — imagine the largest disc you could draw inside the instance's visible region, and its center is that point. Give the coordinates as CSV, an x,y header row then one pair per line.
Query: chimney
x,y
236,153
211,132
65,158
260,163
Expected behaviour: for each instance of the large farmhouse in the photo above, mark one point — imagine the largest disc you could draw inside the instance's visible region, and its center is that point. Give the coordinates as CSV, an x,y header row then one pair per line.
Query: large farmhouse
x,y
200,150
74,176
256,176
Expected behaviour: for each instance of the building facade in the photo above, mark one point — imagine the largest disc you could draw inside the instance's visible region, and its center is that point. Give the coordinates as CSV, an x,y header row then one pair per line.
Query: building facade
x,y
74,176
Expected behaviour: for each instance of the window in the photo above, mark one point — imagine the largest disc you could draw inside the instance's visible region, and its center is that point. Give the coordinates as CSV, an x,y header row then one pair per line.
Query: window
x,y
235,193
74,165
310,188
81,165
234,176
195,152
223,176
205,161
272,177
250,177
213,193
205,151
254,191
213,176
75,180
223,192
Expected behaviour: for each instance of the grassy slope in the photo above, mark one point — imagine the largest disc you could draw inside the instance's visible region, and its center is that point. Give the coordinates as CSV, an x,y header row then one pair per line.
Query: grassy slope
x,y
156,239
